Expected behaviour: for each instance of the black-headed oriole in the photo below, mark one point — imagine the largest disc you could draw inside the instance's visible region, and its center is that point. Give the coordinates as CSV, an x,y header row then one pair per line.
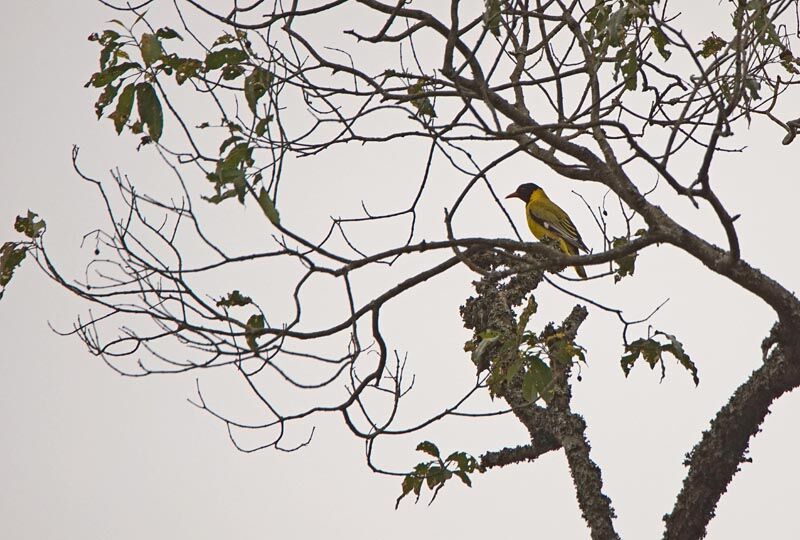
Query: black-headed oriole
x,y
547,220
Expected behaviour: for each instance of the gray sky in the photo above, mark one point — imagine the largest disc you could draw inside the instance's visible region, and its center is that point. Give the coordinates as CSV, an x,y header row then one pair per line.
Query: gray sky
x,y
89,454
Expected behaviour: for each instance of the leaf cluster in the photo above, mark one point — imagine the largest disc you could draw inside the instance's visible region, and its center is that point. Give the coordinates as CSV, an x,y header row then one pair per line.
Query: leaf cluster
x,y
623,26
652,351
625,265
13,253
436,472
230,57
525,358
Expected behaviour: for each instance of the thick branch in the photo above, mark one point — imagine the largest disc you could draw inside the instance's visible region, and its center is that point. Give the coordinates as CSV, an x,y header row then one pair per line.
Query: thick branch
x,y
554,426
508,456
716,458
586,476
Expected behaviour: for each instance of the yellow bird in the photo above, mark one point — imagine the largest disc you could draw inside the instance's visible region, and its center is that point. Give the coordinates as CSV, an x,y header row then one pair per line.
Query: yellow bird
x,y
547,220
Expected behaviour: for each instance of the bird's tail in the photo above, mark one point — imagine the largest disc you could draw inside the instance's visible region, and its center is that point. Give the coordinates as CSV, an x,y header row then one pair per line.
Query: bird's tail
x,y
571,250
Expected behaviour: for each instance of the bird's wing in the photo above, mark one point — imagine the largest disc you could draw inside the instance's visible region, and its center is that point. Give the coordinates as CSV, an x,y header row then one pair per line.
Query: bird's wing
x,y
555,220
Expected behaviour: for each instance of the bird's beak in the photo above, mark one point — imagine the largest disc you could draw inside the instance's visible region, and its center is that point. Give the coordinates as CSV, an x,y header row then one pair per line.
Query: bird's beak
x,y
512,195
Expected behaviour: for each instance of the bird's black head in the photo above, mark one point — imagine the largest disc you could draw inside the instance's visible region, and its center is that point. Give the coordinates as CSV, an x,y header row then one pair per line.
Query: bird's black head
x,y
524,192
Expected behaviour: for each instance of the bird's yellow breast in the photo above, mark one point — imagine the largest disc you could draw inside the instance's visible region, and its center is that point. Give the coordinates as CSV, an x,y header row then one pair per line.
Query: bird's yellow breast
x,y
539,198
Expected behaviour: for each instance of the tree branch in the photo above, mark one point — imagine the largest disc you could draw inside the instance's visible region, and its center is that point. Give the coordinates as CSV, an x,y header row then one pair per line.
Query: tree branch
x,y
508,456
716,458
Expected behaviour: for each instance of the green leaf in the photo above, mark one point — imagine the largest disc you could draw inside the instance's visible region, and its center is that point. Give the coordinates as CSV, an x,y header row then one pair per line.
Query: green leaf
x,y
236,178
123,110
11,256
102,78
423,104
228,172
464,461
529,387
105,38
151,49
488,337
429,448
256,85
268,207
562,351
491,17
168,33
753,86
150,109
514,368
597,17
626,265
464,477
255,327
106,97
627,361
234,298
220,196
106,58
29,225
649,349
109,41
229,141
230,73
630,68
617,24
437,476
411,482
139,18
223,40
421,469
261,126
229,56
185,68
788,61
675,348
239,154
661,41
460,459
541,376
711,45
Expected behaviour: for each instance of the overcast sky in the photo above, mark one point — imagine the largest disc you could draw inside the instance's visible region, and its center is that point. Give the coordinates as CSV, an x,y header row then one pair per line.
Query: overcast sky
x,y
89,454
